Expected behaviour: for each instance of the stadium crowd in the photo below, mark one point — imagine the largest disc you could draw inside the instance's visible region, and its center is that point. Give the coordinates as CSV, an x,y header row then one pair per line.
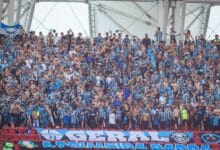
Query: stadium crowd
x,y
115,82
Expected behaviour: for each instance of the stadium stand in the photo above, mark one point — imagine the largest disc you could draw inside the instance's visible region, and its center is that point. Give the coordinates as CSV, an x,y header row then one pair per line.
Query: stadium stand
x,y
109,82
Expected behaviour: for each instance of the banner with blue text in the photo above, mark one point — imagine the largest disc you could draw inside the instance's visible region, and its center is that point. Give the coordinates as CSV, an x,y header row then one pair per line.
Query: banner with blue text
x,y
105,139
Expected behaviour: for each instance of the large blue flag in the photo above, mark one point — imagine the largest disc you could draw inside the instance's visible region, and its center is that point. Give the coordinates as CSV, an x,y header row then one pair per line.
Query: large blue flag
x,y
11,31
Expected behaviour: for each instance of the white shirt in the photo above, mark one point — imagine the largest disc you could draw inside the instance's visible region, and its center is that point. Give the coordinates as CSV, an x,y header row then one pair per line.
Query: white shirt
x,y
98,80
71,53
67,76
28,63
44,67
162,100
56,39
112,118
108,80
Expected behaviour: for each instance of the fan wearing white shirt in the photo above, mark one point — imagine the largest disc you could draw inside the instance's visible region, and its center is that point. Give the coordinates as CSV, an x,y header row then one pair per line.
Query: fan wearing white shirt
x,y
108,79
112,120
28,63
162,99
98,80
56,38
67,75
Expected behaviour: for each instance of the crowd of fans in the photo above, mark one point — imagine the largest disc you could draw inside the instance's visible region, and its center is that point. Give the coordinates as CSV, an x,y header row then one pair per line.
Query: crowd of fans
x,y
111,81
